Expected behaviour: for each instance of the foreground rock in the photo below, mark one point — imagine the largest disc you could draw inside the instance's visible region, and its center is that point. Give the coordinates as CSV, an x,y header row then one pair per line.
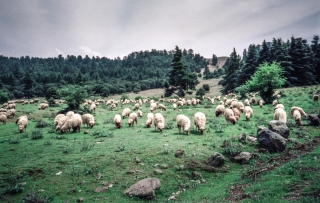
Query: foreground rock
x,y
243,157
269,140
279,127
216,159
144,188
313,119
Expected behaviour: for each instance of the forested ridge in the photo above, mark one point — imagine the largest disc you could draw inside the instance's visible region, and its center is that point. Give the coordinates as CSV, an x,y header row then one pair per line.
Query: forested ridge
x,y
32,77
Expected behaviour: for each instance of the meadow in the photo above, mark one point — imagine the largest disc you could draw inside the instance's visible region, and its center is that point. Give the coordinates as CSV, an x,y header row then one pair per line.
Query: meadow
x,y
45,164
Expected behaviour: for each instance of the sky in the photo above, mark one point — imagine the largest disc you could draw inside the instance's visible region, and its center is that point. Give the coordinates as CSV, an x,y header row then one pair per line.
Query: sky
x,y
116,28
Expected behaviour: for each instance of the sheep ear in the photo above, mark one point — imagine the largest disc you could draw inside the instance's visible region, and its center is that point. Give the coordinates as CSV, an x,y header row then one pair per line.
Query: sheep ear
x,y
17,120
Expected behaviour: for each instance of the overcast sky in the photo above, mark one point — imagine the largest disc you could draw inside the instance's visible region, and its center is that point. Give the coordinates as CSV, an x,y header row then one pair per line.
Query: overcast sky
x,y
111,28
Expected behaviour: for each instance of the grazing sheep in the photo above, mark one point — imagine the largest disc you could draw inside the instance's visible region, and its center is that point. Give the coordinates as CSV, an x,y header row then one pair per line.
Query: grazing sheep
x,y
238,105
246,102
236,113
280,114
139,113
3,118
252,100
261,102
200,121
299,109
153,106
11,106
315,97
221,103
133,117
117,121
188,102
93,107
58,118
43,106
70,114
297,117
174,106
11,112
183,122
74,122
281,106
136,106
88,120
158,121
219,110
150,117
22,123
125,113
274,102
248,112
228,102
180,103
229,116
162,107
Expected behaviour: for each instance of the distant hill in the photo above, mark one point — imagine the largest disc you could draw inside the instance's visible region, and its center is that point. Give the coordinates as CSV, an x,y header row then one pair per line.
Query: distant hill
x,y
221,61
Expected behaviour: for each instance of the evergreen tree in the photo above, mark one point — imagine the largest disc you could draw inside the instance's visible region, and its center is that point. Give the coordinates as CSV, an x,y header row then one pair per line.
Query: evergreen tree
x,y
229,79
28,83
249,67
214,60
180,78
315,47
264,53
200,92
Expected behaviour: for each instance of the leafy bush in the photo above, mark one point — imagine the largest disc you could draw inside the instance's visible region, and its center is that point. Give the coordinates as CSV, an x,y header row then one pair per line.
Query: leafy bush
x,y
36,134
206,87
3,97
41,124
33,197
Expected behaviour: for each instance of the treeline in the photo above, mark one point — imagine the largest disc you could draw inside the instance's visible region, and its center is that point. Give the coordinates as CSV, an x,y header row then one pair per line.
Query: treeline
x,y
32,77
299,60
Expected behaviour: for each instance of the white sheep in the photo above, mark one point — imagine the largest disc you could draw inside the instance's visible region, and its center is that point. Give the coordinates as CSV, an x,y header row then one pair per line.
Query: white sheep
x,y
174,106
93,106
200,121
183,122
236,113
139,113
136,106
133,117
246,102
261,102
219,110
297,117
88,120
158,121
74,122
247,112
274,102
11,106
3,118
229,116
281,106
22,123
58,118
117,121
252,100
150,117
153,106
11,112
180,103
125,113
299,109
280,114
43,106
162,107
70,114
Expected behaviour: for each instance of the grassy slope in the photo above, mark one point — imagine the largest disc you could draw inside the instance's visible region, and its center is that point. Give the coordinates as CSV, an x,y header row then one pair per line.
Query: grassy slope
x,y
80,157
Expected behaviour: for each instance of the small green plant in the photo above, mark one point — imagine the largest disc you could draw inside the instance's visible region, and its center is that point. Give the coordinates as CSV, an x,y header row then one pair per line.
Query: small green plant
x,y
14,141
41,124
14,189
219,129
47,142
25,135
99,134
231,149
59,137
120,148
33,197
36,134
169,126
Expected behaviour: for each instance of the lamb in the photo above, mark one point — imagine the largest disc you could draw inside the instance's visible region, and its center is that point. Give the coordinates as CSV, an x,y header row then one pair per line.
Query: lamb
x,y
229,116
158,121
43,106
74,122
139,113
3,118
58,118
315,97
136,106
22,123
299,109
117,121
153,106
150,117
174,106
183,122
200,121
297,117
11,112
162,107
93,106
274,102
248,112
219,110
280,114
246,102
261,102
125,113
88,120
133,117
236,113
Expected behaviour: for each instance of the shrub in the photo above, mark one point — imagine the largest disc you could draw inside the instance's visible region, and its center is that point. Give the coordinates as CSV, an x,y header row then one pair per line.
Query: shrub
x,y
206,87
33,197
36,134
41,124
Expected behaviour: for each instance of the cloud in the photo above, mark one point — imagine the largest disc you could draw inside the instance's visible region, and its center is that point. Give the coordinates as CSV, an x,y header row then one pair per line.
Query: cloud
x,y
89,52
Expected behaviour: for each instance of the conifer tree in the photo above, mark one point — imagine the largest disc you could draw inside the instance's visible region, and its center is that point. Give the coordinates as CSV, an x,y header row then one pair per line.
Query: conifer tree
x,y
249,67
315,47
264,53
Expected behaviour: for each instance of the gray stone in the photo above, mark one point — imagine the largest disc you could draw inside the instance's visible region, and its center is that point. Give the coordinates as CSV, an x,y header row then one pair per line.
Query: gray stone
x,y
271,141
86,132
242,138
144,188
313,119
163,166
216,159
243,157
279,127
196,175
179,153
157,171
101,189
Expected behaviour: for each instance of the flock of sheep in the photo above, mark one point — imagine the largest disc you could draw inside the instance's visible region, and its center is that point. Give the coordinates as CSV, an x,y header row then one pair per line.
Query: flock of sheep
x,y
229,106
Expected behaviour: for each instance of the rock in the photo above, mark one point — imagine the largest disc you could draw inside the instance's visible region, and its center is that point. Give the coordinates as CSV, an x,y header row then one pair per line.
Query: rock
x,y
144,188
179,153
137,160
73,190
86,132
242,138
157,171
261,150
294,140
196,175
216,159
101,189
313,119
80,199
99,176
163,166
243,157
271,141
279,127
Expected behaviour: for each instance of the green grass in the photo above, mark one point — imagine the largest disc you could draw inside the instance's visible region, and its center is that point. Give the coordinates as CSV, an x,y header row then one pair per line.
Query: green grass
x,y
32,164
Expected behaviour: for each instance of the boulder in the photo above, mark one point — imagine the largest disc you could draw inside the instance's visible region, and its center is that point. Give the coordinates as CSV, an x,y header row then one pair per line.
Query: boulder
x,y
144,188
279,127
179,153
271,141
216,159
243,157
313,119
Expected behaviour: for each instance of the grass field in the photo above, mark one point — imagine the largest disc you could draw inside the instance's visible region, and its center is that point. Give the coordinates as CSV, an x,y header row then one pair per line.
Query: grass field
x,y
70,166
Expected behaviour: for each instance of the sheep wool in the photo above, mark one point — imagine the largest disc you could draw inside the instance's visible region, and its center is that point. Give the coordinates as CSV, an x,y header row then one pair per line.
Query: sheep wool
x,y
58,118
219,110
280,114
93,107
229,116
281,106
174,106
153,106
301,111
200,121
162,107
139,113
158,121
183,122
43,106
125,113
88,120
22,123
274,102
3,118
117,121
150,117
11,112
246,102
297,117
236,113
74,122
248,112
133,117
136,106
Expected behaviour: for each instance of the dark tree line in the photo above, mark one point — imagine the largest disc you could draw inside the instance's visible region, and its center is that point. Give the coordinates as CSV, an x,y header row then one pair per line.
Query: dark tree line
x,y
32,77
300,62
